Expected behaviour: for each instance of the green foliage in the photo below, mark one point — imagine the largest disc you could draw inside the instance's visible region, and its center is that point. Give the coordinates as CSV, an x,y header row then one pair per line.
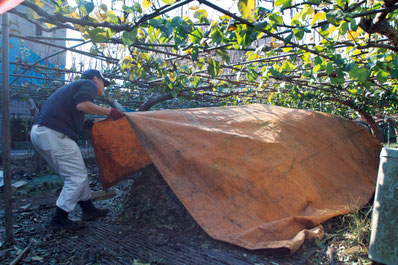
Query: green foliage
x,y
129,38
85,7
201,15
100,35
213,67
339,71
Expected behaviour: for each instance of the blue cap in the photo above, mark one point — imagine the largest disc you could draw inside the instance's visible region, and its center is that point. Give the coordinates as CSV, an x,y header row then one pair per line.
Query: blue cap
x,y
90,73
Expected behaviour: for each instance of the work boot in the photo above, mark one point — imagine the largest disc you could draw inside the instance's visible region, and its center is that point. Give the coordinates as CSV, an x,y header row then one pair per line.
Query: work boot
x,y
61,221
91,213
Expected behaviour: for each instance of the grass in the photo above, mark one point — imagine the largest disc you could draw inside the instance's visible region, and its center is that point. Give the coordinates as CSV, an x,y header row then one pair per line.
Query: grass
x,y
346,239
392,145
358,226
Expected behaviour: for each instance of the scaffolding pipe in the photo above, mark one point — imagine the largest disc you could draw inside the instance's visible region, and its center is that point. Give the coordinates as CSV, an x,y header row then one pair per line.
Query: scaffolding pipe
x,y
5,110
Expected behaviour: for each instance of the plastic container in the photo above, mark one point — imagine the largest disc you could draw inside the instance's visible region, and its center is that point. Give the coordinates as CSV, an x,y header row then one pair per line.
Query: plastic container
x,y
384,236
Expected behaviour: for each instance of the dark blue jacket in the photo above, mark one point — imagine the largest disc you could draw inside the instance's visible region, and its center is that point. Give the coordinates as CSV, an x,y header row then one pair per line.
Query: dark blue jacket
x,y
59,111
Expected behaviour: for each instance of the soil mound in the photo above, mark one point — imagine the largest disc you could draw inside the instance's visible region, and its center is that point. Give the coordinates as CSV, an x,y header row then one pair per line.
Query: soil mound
x,y
149,201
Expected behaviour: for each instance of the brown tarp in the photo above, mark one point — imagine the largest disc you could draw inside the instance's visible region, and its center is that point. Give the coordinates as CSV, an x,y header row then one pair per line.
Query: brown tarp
x,y
257,176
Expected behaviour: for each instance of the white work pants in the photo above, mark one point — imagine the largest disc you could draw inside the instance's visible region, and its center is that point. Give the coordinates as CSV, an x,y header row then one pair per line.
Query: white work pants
x,y
63,154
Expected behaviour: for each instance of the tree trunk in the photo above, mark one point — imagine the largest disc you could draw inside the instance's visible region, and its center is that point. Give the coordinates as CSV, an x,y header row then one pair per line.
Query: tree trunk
x,y
154,100
377,133
38,160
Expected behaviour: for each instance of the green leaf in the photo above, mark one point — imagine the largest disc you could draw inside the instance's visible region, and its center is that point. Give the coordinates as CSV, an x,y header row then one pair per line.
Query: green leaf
x,y
288,38
153,33
353,25
172,76
382,77
187,27
362,75
348,17
354,72
260,26
241,38
166,29
298,33
168,2
156,23
318,60
286,66
283,3
196,35
307,11
343,28
394,73
251,75
224,55
89,6
195,53
276,18
201,15
216,36
196,81
100,35
247,8
201,63
128,9
85,7
317,68
213,67
174,93
353,91
332,19
329,68
146,4
176,21
137,7
334,80
128,38
349,67
307,57
112,17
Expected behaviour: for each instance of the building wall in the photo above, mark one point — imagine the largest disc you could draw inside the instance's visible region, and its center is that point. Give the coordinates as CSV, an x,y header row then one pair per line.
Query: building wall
x,y
23,53
22,27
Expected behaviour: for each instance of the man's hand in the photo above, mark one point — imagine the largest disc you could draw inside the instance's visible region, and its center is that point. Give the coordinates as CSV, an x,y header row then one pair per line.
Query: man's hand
x,y
116,114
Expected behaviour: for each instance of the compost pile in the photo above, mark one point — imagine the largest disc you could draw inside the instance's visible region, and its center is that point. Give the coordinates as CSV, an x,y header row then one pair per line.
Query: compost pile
x,y
149,201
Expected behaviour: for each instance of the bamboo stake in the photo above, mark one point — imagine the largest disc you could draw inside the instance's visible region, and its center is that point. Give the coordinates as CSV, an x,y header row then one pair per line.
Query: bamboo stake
x,y
21,256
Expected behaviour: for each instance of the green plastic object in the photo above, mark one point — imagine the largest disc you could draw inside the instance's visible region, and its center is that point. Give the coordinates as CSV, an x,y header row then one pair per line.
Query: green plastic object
x,y
384,236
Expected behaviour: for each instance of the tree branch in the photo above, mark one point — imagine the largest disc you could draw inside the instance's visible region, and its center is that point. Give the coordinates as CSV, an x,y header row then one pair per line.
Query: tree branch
x,y
380,25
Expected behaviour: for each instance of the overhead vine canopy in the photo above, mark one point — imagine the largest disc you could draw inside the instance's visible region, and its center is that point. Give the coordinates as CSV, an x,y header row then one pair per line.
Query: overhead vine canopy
x,y
336,56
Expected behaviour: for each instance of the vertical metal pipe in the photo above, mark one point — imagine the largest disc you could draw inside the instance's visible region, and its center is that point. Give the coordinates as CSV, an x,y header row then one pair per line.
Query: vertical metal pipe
x,y
5,103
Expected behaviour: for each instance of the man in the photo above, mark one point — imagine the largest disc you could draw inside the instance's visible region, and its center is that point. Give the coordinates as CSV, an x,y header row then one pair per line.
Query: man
x,y
55,134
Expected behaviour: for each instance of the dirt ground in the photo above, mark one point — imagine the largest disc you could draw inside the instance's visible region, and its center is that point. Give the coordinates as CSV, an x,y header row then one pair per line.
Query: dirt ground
x,y
147,225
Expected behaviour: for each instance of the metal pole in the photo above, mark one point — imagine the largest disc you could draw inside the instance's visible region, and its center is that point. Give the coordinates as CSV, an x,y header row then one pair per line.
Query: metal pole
x,y
5,103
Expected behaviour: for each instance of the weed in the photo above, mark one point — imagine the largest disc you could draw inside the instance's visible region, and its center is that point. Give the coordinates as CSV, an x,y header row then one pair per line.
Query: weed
x,y
358,224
